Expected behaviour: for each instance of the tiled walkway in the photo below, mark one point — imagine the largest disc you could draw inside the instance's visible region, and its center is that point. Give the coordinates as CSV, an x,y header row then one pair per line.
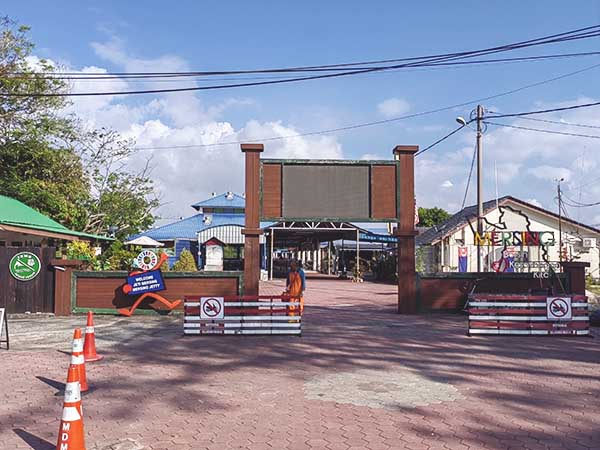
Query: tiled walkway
x,y
359,377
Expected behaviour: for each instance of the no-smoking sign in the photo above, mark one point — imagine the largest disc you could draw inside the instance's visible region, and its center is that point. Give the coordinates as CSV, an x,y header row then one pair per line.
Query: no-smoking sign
x,y
211,308
558,308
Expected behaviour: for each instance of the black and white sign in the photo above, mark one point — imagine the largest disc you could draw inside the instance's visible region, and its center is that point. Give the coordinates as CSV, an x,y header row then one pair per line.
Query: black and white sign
x,y
212,308
558,308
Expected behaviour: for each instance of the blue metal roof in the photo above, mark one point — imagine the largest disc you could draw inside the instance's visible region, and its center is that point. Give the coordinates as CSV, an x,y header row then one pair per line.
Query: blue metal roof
x,y
188,228
222,201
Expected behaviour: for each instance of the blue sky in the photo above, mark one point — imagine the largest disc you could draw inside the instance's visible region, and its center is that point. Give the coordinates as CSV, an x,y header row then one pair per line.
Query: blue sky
x,y
186,35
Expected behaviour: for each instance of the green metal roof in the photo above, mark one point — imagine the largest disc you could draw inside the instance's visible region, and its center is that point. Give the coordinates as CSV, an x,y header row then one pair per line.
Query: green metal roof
x,y
18,214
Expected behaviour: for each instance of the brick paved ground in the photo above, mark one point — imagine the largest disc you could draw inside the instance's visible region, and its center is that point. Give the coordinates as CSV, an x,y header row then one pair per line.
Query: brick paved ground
x,y
359,377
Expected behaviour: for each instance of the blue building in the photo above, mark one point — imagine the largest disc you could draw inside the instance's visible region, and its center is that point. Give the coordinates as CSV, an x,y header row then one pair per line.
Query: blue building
x,y
220,217
214,236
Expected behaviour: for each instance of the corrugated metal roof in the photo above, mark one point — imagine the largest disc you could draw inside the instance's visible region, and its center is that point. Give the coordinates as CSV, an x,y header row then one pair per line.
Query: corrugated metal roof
x,y
190,227
18,214
222,201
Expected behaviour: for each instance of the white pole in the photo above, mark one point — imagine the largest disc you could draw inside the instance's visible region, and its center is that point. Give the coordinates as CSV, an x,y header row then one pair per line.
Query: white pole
x,y
272,244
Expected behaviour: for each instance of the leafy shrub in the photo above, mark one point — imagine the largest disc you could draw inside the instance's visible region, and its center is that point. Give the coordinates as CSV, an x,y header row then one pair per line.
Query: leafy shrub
x,y
185,263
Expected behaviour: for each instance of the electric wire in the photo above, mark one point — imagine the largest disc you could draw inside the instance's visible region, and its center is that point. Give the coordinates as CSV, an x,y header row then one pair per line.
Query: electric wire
x,y
379,122
546,111
197,76
540,130
539,41
585,32
560,122
440,140
469,179
576,204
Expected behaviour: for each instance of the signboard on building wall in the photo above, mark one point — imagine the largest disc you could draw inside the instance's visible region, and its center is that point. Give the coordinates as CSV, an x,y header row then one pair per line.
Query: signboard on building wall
x,y
333,190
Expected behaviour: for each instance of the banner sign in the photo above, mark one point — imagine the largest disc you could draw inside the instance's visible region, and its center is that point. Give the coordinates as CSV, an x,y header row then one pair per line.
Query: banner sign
x,y
372,237
151,281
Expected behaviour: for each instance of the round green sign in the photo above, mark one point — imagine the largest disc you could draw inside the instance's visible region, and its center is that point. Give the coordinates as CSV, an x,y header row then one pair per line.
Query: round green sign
x,y
25,266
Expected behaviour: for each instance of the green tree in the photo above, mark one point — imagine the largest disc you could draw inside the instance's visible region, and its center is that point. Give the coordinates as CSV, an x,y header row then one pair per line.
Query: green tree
x,y
185,263
50,162
38,164
429,217
121,200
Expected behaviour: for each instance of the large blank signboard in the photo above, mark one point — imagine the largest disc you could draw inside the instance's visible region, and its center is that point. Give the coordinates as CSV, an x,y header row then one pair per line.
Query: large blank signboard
x,y
329,190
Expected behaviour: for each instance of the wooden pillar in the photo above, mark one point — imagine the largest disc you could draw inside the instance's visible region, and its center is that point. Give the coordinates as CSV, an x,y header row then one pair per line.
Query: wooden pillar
x,y
576,274
407,276
252,229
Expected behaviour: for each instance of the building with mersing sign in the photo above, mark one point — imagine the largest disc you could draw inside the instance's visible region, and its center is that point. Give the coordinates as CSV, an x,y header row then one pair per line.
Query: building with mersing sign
x,y
517,237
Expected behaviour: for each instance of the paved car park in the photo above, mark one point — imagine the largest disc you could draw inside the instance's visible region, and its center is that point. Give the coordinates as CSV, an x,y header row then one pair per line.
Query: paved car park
x,y
360,376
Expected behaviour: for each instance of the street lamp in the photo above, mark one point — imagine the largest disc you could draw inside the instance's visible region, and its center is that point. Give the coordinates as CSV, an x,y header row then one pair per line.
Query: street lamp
x,y
477,115
461,120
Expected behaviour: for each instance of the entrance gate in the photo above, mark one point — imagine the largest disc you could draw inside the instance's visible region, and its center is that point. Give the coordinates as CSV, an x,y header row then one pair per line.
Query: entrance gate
x,y
35,295
332,191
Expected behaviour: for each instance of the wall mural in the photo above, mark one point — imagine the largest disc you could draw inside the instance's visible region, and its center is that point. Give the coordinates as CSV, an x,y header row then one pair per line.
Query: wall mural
x,y
511,257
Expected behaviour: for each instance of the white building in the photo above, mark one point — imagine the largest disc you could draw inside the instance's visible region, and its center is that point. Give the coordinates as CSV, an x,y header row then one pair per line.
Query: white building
x,y
518,236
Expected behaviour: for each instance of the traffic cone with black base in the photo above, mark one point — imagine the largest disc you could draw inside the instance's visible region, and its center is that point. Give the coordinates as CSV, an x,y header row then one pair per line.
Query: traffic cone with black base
x,y
70,432
78,360
89,346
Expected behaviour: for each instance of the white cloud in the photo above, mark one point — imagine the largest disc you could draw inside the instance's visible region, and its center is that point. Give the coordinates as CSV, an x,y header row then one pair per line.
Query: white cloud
x,y
550,173
189,174
534,202
527,163
393,107
446,184
372,156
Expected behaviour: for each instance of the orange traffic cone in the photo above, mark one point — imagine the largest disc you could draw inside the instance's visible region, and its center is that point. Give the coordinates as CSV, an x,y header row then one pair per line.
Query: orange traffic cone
x,y
89,347
70,432
78,360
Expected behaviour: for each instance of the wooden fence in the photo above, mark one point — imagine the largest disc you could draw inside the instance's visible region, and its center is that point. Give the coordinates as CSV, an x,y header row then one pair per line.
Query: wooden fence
x,y
258,314
102,292
36,295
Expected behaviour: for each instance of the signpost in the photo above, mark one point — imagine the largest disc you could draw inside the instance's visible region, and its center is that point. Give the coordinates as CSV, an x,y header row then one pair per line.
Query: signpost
x,y
25,266
4,325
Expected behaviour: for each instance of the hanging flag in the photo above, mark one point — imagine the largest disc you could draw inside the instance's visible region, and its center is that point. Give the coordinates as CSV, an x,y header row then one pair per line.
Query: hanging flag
x,y
463,259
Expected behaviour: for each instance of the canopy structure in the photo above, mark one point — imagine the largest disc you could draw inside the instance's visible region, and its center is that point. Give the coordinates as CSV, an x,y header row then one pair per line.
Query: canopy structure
x,y
19,221
144,241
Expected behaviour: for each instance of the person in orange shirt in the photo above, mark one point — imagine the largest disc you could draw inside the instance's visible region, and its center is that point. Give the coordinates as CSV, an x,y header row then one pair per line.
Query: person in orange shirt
x,y
295,286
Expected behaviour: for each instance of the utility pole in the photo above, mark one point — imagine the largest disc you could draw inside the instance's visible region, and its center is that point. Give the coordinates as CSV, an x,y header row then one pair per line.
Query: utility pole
x,y
479,186
560,254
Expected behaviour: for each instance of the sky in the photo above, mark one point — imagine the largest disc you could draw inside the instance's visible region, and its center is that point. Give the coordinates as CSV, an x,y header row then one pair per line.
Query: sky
x,y
214,35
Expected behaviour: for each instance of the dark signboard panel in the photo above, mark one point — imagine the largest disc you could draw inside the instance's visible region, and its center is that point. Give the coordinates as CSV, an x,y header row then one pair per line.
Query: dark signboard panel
x,y
329,190
325,191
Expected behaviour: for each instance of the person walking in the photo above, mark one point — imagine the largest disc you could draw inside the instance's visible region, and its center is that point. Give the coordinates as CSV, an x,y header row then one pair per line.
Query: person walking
x,y
295,286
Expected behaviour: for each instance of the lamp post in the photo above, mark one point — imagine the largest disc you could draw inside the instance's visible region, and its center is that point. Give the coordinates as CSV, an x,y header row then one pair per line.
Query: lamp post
x,y
479,119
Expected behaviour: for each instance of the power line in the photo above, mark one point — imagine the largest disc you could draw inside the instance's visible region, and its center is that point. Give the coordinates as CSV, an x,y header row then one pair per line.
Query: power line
x,y
560,122
546,111
469,179
169,77
576,204
381,122
580,33
440,140
591,136
561,37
